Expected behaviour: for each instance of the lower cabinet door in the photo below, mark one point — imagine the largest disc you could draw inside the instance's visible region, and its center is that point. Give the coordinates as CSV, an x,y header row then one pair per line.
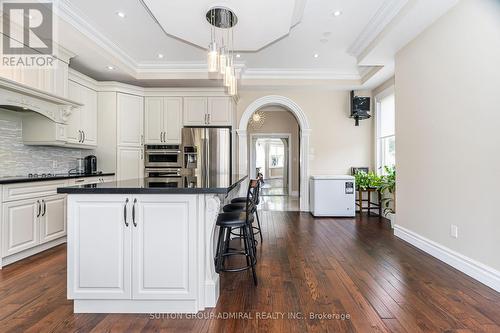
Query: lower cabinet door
x,y
164,246
53,218
130,164
99,258
20,226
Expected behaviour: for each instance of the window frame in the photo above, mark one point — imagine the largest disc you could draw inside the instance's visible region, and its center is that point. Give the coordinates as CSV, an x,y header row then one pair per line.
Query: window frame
x,y
378,139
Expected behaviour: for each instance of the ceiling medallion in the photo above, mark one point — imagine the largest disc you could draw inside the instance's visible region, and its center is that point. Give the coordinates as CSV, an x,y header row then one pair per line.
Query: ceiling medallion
x,y
220,57
257,119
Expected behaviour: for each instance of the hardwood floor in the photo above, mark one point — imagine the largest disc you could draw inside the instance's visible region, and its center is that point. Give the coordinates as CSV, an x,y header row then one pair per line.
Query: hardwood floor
x,y
348,267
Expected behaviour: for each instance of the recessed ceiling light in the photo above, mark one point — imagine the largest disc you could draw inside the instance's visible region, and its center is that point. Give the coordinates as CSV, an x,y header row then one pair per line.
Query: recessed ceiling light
x,y
160,56
316,55
110,68
324,40
327,34
238,55
337,13
121,14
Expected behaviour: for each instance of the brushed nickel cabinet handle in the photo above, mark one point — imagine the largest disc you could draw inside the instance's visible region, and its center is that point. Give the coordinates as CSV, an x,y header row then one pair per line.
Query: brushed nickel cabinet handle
x,y
133,213
125,213
39,208
44,207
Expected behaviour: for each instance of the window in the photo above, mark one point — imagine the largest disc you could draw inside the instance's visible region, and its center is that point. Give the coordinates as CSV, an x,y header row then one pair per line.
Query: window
x,y
276,156
386,139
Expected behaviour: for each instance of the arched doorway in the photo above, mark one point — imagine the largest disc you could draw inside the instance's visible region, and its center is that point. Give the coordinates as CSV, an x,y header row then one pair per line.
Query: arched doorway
x,y
305,131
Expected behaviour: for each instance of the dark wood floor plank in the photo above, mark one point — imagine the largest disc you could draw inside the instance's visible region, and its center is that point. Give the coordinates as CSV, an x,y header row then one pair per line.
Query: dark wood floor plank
x,y
305,266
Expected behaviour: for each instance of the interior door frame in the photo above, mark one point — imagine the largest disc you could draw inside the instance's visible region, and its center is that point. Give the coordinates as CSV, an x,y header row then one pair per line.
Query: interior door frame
x,y
255,136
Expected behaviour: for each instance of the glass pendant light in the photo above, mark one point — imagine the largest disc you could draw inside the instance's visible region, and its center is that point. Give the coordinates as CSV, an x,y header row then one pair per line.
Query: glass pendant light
x,y
213,58
232,86
222,60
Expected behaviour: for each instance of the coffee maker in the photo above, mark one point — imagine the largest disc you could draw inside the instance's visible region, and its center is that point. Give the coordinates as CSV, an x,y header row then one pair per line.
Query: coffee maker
x,y
90,164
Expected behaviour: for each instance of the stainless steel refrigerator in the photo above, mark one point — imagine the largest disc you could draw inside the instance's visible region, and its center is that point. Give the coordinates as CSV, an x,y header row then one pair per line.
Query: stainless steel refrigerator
x,y
207,155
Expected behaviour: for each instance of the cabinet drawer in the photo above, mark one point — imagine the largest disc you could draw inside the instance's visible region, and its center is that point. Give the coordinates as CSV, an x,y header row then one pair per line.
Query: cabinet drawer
x,y
91,180
33,190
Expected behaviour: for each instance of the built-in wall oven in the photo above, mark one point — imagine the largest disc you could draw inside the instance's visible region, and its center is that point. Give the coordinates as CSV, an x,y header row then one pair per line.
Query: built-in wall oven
x,y
163,177
163,156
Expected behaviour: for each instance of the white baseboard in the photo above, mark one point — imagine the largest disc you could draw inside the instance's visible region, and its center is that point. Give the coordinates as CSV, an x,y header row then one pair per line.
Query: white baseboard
x,y
484,274
29,252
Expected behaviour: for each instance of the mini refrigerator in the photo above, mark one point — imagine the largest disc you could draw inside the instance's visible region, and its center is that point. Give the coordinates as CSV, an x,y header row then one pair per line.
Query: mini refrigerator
x,y
332,196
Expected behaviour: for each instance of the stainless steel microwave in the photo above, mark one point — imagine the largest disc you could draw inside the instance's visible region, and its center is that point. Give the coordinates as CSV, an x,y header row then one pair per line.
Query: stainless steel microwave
x,y
163,156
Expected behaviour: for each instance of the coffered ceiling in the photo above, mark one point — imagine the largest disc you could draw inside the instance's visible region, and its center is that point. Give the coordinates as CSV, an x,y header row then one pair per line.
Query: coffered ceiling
x,y
330,43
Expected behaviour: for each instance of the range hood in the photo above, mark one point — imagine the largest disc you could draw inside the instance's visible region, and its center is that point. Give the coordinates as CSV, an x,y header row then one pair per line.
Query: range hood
x,y
18,97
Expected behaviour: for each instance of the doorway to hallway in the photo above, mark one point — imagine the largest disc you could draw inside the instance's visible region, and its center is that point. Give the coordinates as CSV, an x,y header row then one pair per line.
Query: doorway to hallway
x,y
272,161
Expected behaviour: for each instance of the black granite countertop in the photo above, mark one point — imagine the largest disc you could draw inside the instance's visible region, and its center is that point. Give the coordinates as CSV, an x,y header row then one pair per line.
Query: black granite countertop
x,y
148,186
26,179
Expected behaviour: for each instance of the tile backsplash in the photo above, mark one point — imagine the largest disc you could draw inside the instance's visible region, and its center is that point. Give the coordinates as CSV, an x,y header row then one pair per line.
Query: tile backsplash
x,y
19,159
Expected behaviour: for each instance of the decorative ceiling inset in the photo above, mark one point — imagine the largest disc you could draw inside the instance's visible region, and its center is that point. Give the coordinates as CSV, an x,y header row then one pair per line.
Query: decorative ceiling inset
x,y
261,22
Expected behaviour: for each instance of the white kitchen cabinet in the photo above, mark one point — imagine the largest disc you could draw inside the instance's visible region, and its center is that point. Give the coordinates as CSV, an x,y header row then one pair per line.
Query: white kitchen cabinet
x,y
100,259
163,247
73,127
20,226
130,120
163,120
130,163
219,111
195,111
53,218
133,247
208,111
81,127
153,127
172,120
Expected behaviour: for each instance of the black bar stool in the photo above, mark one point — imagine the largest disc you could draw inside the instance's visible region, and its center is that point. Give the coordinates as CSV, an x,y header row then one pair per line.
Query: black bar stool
x,y
237,220
239,204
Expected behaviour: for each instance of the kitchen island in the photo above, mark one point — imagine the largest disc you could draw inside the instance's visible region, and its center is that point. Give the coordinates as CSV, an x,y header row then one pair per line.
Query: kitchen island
x,y
136,248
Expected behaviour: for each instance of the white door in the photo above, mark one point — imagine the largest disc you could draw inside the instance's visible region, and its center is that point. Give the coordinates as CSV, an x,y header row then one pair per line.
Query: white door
x,y
89,117
130,120
53,218
164,247
154,120
195,111
173,120
219,110
130,163
20,226
74,125
99,260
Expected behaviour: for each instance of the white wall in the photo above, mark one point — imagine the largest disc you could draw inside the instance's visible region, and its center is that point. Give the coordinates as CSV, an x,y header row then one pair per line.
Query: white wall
x,y
336,144
448,131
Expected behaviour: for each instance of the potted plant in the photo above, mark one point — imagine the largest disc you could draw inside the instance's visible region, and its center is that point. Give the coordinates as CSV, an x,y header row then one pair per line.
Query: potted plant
x,y
388,190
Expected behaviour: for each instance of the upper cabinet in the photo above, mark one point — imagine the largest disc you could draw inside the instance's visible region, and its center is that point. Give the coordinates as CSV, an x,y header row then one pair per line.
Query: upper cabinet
x,y
50,80
219,111
130,120
207,111
81,129
163,120
195,111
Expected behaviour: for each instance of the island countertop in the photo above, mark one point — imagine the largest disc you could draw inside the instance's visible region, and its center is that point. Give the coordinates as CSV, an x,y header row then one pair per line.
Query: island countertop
x,y
216,185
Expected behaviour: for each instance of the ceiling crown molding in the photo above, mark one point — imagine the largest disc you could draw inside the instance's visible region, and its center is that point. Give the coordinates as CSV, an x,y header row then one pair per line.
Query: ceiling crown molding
x,y
384,15
74,17
300,74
